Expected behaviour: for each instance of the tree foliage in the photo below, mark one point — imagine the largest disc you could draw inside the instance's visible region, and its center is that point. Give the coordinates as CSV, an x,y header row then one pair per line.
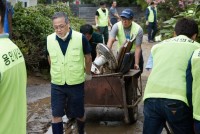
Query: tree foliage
x,y
192,11
142,3
32,25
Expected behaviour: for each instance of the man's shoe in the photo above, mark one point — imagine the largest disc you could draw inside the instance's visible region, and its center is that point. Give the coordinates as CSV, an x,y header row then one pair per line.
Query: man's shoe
x,y
151,41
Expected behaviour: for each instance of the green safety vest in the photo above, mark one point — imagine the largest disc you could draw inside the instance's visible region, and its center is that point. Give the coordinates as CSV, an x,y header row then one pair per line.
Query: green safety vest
x,y
170,60
195,62
151,15
102,18
121,35
69,68
13,78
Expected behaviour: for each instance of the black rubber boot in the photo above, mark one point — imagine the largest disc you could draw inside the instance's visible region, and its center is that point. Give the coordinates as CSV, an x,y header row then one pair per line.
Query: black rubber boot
x,y
57,128
81,126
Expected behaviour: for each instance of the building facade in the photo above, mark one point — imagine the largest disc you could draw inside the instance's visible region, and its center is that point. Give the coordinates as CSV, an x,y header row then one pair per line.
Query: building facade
x,y
26,3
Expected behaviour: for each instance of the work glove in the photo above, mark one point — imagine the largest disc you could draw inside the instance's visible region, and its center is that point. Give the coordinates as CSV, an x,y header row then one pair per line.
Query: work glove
x,y
97,25
88,77
147,23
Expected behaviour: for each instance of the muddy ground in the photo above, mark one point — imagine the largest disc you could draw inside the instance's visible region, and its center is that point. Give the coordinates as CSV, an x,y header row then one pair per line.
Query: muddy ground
x,y
39,112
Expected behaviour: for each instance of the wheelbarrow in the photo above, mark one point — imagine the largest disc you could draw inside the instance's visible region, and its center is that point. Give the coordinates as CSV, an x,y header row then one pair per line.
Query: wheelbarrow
x,y
119,88
115,90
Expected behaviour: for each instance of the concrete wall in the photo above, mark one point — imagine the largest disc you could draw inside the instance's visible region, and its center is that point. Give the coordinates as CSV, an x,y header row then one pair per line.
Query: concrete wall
x,y
87,12
32,2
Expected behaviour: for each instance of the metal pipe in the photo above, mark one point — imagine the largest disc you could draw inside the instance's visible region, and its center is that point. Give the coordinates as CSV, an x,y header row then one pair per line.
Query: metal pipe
x,y
107,75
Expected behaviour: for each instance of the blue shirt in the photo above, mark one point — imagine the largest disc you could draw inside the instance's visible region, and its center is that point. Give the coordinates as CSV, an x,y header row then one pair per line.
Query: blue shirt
x,y
149,62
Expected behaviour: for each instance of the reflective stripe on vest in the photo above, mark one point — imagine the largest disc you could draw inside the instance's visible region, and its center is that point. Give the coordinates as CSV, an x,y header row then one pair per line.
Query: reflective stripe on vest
x,y
13,79
103,17
168,76
151,15
69,68
121,35
195,62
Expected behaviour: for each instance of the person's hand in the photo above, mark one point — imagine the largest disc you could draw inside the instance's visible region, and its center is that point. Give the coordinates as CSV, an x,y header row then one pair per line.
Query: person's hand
x,y
136,66
147,23
97,25
88,77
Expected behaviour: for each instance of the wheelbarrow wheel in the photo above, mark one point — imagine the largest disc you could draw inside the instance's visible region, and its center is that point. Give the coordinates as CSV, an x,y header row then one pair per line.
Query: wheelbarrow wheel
x,y
131,97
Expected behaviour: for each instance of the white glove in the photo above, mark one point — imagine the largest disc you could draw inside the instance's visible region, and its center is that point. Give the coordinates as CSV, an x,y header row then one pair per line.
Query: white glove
x,y
97,25
147,23
88,77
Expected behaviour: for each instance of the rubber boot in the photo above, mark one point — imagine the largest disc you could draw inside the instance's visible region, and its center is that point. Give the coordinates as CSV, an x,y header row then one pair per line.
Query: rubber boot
x,y
57,128
81,126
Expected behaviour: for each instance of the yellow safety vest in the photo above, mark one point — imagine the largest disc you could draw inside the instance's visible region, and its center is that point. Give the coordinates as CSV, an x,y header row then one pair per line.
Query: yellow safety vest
x,y
122,37
151,15
69,68
13,78
168,76
102,18
195,62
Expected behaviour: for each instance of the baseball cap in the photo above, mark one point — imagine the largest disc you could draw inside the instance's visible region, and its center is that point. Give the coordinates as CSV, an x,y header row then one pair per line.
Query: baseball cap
x,y
127,13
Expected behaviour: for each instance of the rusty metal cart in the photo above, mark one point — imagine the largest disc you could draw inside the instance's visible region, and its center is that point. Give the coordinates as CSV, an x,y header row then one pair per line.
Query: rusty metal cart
x,y
115,90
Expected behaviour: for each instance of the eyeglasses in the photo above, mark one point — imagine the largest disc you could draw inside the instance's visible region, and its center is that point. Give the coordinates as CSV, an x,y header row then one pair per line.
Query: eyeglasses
x,y
61,27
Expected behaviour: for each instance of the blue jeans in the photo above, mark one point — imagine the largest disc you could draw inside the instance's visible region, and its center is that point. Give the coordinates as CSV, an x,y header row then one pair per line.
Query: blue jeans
x,y
158,110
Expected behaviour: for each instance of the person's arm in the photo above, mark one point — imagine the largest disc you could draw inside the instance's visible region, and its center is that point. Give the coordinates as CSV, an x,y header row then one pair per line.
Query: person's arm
x,y
109,23
47,54
149,65
138,49
146,16
87,56
96,18
88,63
110,42
189,80
114,13
117,15
112,36
137,56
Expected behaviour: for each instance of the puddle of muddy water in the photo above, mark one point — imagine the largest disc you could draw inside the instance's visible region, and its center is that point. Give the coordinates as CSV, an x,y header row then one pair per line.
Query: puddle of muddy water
x,y
39,116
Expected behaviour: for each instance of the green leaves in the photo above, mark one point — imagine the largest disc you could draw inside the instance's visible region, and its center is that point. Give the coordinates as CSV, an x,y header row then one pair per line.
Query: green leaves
x,y
167,28
32,25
